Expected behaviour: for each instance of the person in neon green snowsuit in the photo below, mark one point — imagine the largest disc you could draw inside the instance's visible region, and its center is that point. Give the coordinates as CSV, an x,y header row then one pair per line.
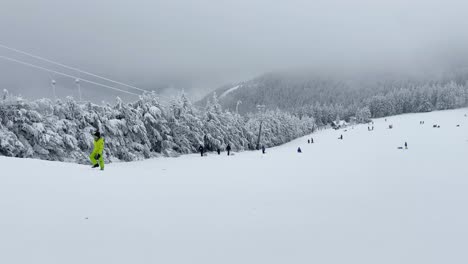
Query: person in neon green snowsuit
x,y
97,154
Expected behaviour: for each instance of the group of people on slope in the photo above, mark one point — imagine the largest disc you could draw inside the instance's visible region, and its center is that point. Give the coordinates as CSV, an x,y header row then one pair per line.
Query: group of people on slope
x,y
97,155
201,149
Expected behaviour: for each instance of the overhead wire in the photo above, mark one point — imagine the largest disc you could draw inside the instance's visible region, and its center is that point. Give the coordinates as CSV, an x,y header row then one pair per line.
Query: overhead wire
x,y
64,74
77,70
70,67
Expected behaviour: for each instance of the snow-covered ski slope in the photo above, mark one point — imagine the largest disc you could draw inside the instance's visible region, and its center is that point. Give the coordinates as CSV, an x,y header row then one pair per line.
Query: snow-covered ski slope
x,y
357,200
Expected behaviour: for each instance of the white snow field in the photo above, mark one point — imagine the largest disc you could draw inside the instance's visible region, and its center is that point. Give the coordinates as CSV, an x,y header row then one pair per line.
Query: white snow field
x,y
357,200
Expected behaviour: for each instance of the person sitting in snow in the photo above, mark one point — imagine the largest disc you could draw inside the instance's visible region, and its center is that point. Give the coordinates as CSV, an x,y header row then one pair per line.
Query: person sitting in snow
x,y
97,157
299,150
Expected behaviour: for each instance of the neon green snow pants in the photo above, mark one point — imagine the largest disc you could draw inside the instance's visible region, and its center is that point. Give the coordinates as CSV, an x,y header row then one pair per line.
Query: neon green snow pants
x,y
94,161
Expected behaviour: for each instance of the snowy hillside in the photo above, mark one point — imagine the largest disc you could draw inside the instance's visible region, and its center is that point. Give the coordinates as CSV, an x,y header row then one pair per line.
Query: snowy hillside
x,y
356,200
324,97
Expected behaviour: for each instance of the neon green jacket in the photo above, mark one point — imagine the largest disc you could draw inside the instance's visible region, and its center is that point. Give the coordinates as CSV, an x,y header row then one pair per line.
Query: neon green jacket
x,y
98,146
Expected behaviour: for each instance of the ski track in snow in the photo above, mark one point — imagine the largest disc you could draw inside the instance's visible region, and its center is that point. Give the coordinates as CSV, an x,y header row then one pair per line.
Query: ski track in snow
x,y
230,90
357,200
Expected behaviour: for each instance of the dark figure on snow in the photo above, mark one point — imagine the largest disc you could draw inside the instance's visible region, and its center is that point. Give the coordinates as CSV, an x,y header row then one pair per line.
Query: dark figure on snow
x,y
406,145
312,140
201,149
341,137
228,148
308,141
219,151
97,156
263,149
299,150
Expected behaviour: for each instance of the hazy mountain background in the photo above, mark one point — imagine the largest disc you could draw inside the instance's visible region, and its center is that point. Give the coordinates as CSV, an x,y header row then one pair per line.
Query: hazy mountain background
x,y
197,46
293,90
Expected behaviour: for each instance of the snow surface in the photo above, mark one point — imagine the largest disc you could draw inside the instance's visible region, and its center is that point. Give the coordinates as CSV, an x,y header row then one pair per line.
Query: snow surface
x,y
357,200
230,90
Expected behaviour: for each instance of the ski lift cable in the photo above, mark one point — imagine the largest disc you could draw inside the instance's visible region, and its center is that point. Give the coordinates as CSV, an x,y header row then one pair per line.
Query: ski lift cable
x,y
64,74
80,71
73,77
70,68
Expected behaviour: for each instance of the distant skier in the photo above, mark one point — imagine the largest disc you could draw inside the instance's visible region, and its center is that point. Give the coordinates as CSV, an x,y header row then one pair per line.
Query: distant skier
x,y
341,137
312,140
308,141
219,151
97,157
406,145
201,149
299,150
228,148
263,149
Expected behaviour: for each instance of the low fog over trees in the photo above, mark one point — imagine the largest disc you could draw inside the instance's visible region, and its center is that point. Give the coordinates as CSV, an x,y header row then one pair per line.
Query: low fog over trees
x,y
61,129
327,99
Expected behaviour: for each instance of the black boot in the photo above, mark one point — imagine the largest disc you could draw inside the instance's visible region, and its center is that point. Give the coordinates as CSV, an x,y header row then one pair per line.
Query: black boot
x,y
95,166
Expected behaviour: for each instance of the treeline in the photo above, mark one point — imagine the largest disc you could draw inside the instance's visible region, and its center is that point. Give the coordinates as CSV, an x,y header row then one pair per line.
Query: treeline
x,y
62,130
407,98
328,97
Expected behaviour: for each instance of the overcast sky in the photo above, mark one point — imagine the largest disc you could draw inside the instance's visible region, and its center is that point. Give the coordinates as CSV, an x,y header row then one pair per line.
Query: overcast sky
x,y
200,45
